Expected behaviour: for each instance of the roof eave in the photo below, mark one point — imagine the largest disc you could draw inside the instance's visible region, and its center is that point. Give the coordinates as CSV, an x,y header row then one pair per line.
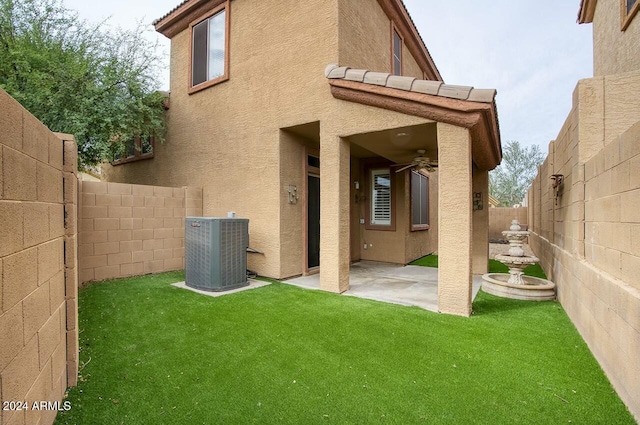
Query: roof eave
x,y
182,15
480,118
397,12
586,12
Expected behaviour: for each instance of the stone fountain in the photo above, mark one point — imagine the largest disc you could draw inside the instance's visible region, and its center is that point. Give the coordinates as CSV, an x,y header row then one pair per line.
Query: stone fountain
x,y
515,284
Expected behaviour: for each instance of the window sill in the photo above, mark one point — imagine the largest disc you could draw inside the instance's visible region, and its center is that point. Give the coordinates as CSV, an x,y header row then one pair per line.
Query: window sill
x,y
390,228
207,84
420,227
132,159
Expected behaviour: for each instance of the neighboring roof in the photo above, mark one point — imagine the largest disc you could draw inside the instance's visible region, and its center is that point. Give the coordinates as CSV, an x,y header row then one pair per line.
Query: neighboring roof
x,y
493,201
463,106
586,12
178,18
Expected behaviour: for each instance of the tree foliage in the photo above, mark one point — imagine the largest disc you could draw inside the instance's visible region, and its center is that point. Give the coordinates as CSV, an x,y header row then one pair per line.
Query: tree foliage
x,y
97,83
509,182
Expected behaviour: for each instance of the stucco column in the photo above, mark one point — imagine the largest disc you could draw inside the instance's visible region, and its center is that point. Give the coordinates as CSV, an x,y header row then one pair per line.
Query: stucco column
x,y
334,212
480,263
454,220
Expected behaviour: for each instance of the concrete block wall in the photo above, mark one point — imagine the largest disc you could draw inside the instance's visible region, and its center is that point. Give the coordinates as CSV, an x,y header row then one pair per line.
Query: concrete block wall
x,y
127,230
500,219
38,287
612,208
587,239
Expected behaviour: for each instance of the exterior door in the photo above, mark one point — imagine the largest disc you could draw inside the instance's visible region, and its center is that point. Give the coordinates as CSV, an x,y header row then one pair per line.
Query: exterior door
x,y
313,221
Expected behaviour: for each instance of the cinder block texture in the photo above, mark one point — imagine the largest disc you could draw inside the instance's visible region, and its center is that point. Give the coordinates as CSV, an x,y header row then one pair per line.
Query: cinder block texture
x,y
586,232
34,223
128,230
500,219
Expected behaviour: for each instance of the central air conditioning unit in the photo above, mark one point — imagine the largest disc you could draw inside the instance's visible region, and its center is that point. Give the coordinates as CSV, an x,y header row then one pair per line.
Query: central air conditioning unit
x,y
216,253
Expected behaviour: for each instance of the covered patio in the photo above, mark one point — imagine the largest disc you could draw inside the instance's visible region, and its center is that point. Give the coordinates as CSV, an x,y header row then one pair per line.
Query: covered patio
x,y
460,131
392,283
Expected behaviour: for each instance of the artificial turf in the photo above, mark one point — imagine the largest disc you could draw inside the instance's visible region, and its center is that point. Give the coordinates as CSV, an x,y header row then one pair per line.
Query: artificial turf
x,y
495,266
155,354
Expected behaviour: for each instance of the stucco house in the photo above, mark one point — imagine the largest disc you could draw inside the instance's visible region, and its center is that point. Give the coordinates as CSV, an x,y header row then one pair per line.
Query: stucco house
x,y
586,231
300,115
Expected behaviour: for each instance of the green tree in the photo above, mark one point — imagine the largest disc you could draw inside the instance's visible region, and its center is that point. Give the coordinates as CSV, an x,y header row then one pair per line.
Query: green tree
x,y
509,182
97,83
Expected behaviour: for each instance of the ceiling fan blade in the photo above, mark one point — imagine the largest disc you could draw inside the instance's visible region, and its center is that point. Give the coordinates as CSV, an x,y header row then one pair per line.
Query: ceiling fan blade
x,y
404,168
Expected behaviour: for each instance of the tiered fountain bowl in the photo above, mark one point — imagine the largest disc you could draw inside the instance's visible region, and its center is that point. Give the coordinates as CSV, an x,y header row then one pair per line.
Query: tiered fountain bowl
x,y
515,284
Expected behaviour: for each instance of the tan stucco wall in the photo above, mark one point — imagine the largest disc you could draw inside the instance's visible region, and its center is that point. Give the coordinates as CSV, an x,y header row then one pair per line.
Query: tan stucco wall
x,y
401,245
127,230
614,51
38,274
455,220
480,217
227,138
587,243
365,38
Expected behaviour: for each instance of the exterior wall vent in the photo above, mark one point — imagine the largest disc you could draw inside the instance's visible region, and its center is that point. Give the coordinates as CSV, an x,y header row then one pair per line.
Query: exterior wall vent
x,y
216,253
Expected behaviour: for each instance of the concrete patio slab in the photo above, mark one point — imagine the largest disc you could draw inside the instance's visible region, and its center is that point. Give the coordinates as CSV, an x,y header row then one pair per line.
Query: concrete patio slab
x,y
391,283
253,284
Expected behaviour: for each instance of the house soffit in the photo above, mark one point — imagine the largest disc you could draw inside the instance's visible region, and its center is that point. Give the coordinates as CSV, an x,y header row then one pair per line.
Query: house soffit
x,y
463,106
179,18
586,12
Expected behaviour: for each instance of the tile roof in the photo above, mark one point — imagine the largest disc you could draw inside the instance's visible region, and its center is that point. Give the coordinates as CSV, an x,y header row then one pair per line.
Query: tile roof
x,y
434,88
171,11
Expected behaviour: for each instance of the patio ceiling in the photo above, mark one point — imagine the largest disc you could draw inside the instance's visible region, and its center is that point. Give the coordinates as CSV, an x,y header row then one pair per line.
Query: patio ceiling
x,y
399,145
461,106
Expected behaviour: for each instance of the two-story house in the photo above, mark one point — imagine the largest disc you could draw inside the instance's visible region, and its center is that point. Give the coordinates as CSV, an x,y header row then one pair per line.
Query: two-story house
x,y
315,154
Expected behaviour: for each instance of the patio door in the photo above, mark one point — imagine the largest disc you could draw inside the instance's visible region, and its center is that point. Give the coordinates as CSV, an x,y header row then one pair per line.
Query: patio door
x,y
313,221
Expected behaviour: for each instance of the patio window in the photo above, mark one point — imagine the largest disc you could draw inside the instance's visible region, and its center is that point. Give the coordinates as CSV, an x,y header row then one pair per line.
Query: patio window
x,y
380,197
396,53
419,201
209,49
629,10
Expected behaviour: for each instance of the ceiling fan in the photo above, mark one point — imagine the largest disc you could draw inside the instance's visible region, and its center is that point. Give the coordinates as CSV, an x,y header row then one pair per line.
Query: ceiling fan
x,y
420,162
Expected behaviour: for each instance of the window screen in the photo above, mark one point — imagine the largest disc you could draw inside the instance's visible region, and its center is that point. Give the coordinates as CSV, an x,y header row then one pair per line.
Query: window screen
x,y
208,49
419,199
397,54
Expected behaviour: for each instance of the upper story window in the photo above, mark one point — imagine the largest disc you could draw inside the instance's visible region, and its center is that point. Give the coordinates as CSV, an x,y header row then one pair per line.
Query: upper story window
x,y
419,201
210,49
396,50
629,10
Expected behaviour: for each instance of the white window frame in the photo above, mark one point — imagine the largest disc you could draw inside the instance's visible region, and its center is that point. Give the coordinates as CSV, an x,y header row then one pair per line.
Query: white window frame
x,y
374,196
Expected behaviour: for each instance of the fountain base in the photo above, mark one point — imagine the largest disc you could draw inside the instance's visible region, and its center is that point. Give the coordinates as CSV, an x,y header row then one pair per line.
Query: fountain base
x,y
534,288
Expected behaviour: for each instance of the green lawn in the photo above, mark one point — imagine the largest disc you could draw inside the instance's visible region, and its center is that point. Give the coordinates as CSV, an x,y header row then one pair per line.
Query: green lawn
x,y
495,266
155,354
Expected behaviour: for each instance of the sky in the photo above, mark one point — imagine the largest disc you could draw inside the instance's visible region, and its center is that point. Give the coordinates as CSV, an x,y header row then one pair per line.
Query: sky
x,y
532,52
